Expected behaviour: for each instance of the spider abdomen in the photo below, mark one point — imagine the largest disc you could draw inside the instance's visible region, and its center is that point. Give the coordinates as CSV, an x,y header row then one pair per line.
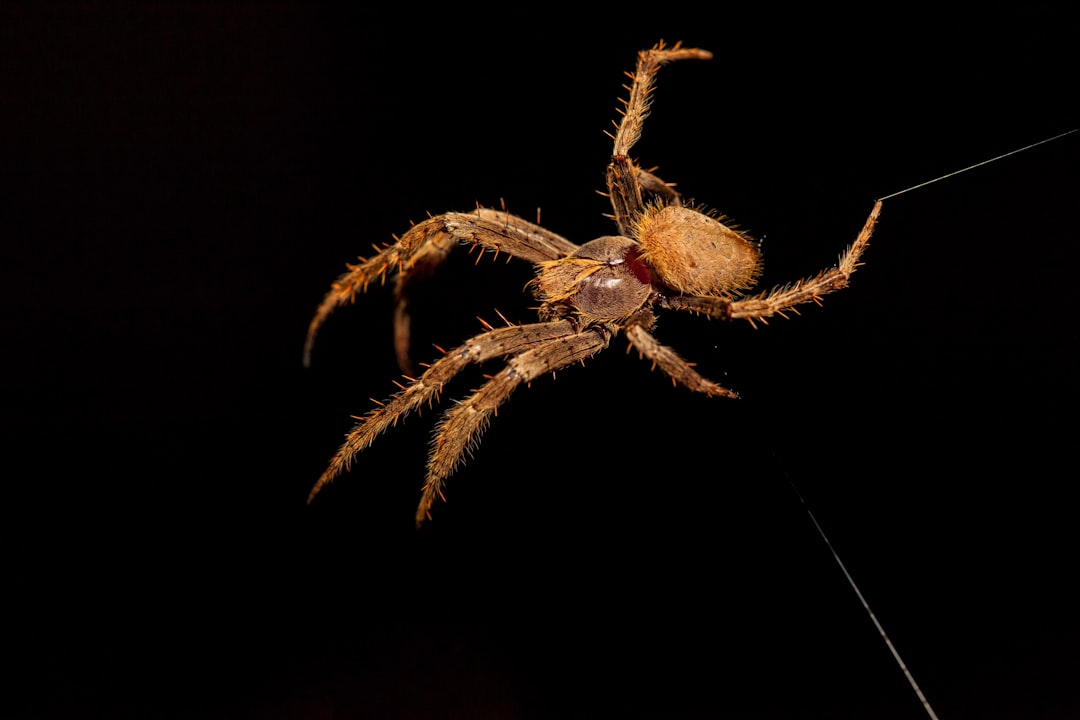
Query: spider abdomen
x,y
602,280
696,254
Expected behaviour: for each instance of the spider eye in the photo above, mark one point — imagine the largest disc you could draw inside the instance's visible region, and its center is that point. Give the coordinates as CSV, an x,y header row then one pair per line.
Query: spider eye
x,y
697,254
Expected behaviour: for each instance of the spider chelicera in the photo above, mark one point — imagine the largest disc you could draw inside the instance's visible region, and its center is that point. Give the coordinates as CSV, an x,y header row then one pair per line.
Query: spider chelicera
x,y
666,255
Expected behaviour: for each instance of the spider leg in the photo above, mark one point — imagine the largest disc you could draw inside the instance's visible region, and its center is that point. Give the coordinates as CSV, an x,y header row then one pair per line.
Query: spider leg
x,y
663,357
421,268
624,177
652,188
494,343
425,246
653,185
780,299
460,429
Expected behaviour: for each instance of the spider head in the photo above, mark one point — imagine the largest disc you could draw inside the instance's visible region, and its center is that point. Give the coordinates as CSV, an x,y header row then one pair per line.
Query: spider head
x,y
696,254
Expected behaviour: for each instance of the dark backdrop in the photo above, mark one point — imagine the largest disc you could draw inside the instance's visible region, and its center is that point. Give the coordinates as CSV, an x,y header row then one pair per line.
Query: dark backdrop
x,y
182,181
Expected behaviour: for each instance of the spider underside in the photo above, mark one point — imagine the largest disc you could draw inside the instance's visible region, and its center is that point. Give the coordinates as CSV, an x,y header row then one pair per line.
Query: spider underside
x,y
668,255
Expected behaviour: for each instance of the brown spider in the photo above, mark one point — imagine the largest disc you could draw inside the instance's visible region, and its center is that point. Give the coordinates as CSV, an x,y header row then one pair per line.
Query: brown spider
x,y
667,255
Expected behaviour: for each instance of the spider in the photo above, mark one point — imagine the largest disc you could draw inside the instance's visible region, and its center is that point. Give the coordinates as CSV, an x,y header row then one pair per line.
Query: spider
x,y
668,254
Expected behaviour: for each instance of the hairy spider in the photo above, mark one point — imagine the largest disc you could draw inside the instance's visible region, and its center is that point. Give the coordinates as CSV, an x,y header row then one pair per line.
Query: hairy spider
x,y
667,254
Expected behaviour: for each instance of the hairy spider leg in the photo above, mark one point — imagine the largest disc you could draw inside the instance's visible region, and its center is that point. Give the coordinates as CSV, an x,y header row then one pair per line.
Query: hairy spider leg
x,y
665,358
500,342
425,246
624,177
461,426
786,297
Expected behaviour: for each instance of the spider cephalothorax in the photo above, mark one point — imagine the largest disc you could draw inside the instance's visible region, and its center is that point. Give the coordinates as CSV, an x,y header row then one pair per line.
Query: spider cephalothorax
x,y
667,255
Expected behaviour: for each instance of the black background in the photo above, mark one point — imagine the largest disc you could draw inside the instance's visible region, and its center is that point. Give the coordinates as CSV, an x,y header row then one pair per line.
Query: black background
x,y
182,181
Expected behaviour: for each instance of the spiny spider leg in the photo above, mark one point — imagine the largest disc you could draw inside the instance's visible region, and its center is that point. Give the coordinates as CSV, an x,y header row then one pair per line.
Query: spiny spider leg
x,y
427,244
494,343
650,183
623,175
776,301
653,187
461,426
667,359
